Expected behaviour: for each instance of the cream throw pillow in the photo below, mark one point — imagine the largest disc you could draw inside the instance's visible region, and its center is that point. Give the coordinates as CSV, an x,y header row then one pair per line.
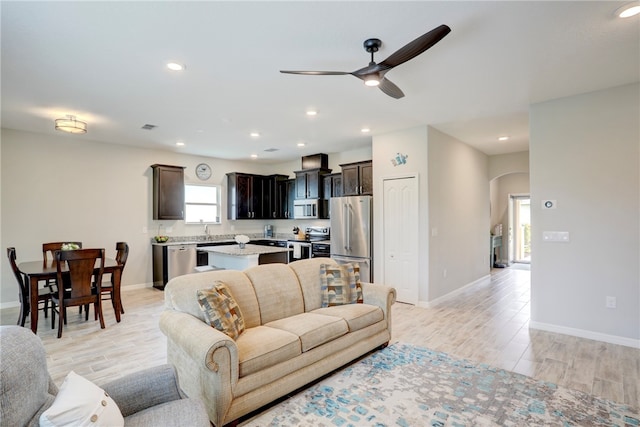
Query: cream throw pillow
x,y
80,402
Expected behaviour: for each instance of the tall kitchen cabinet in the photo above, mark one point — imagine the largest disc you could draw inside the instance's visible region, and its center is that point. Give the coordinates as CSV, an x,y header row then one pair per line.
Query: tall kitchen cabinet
x,y
357,178
168,192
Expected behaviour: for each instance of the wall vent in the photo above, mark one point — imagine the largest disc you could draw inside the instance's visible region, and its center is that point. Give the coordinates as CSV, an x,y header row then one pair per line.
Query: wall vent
x,y
271,150
149,127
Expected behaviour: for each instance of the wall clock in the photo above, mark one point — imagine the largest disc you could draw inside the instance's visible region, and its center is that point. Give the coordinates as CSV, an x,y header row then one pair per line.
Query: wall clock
x,y
203,171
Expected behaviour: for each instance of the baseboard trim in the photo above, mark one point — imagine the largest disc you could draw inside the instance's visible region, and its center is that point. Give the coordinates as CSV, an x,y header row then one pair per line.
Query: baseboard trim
x,y
597,336
456,292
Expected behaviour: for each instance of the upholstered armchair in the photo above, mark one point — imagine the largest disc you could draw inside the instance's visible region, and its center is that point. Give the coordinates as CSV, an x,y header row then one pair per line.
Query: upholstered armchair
x,y
151,397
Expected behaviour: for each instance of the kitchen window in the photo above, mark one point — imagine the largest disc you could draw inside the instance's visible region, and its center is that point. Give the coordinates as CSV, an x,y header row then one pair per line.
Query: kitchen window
x,y
202,204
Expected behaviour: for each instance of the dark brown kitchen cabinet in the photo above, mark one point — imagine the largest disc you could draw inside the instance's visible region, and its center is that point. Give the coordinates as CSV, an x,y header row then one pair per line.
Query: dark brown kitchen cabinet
x,y
332,185
244,196
286,196
168,192
357,178
276,201
310,183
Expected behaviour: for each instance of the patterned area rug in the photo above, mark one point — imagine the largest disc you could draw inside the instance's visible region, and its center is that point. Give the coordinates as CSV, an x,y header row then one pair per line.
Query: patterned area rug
x,y
405,385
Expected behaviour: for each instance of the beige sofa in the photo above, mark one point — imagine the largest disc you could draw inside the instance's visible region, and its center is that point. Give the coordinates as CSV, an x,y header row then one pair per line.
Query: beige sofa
x,y
289,339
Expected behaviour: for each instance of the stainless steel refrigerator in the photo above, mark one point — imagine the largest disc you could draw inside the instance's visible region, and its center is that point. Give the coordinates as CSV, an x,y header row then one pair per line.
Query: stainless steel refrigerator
x,y
351,236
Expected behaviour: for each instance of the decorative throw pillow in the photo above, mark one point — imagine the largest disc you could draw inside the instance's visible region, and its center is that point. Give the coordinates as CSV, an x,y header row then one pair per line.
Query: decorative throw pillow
x,y
80,402
357,297
221,310
337,284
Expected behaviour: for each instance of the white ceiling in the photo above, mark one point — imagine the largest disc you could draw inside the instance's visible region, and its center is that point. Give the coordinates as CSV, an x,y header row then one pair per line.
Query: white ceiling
x,y
105,63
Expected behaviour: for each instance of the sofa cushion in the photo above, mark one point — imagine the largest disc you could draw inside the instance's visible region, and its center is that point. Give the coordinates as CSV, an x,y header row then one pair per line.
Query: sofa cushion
x,y
313,329
221,310
337,284
181,293
261,347
307,272
278,291
357,316
81,402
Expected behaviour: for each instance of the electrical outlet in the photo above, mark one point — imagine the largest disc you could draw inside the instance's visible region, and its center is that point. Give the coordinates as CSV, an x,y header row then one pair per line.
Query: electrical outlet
x,y
144,230
610,302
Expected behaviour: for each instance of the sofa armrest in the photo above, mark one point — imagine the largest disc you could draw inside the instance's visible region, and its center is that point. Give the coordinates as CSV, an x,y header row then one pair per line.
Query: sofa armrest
x,y
206,360
380,295
144,389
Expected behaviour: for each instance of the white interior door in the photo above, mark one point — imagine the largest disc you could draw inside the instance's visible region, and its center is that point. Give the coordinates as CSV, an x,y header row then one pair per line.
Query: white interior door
x,y
400,239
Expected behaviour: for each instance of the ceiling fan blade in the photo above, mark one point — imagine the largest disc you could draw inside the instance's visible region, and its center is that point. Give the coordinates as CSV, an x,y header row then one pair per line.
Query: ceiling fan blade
x,y
388,87
316,73
416,47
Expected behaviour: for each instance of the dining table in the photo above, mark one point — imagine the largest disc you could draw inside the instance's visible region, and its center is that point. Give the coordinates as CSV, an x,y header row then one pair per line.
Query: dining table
x,y
37,271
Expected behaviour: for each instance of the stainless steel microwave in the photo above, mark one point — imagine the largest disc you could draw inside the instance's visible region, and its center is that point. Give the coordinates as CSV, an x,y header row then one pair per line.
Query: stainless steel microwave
x,y
310,209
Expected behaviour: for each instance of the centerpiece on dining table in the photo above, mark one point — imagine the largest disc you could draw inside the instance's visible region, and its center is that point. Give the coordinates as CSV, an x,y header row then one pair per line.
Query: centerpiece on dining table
x,y
70,246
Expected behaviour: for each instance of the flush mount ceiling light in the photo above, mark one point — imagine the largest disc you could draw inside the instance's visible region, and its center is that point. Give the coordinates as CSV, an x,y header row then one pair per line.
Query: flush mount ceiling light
x,y
71,125
628,10
180,144
312,113
503,138
365,130
174,66
254,156
300,144
254,134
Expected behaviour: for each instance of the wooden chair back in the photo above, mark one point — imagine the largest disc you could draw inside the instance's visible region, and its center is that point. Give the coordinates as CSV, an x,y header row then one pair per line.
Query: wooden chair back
x,y
52,247
81,264
22,286
122,253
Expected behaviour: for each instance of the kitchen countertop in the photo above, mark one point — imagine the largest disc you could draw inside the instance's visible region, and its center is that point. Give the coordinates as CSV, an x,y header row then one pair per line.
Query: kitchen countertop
x,y
249,249
199,240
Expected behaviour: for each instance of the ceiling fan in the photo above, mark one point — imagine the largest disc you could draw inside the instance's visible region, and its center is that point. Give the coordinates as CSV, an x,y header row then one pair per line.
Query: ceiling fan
x,y
373,74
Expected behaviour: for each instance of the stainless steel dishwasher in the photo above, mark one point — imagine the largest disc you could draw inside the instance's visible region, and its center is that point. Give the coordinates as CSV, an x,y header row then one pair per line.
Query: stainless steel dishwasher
x,y
181,260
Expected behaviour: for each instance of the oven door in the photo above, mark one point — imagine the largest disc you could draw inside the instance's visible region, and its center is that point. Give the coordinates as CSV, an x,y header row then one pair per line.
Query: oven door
x,y
301,250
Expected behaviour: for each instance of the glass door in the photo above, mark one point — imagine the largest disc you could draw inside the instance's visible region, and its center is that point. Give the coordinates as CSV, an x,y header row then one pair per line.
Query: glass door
x,y
520,228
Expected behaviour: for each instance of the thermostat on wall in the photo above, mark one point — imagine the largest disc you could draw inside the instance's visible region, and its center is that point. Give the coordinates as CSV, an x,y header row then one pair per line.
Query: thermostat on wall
x,y
548,204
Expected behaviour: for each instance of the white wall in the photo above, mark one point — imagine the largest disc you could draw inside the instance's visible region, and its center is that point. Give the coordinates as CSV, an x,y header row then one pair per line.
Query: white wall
x,y
585,153
458,214
503,164
413,143
65,187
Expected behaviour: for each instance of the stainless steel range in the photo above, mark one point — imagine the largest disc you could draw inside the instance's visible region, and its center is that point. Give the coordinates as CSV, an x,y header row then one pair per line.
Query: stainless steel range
x,y
315,244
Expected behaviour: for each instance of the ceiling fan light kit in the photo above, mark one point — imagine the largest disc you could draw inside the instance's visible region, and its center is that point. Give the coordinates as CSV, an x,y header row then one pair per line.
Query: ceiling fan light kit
x,y
373,74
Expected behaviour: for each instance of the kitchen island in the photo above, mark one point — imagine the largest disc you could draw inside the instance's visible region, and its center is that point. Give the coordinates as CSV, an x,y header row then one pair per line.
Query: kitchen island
x,y
232,257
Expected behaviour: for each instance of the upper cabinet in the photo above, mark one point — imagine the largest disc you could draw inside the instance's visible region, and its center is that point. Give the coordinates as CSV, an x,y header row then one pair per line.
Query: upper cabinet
x,y
310,183
168,192
252,196
332,185
357,178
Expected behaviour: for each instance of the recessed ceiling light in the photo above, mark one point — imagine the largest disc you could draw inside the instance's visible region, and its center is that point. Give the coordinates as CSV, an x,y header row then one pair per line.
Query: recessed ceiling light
x,y
365,130
503,138
179,143
628,10
254,134
300,144
312,113
174,66
254,156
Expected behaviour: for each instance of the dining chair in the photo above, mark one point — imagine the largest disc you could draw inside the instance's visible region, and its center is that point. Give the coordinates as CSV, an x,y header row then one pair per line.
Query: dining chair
x,y
50,249
78,289
108,287
23,291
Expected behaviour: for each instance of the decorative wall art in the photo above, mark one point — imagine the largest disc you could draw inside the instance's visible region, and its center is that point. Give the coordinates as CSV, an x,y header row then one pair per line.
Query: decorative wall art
x,y
400,159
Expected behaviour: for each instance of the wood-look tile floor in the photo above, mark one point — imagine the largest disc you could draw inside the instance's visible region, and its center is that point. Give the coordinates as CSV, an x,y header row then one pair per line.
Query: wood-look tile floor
x,y
488,323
